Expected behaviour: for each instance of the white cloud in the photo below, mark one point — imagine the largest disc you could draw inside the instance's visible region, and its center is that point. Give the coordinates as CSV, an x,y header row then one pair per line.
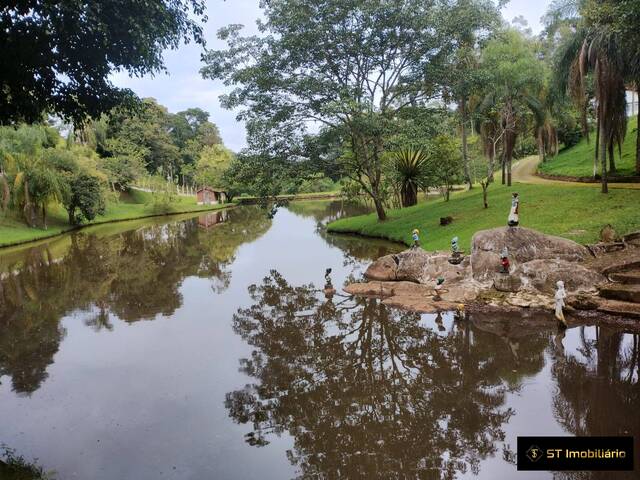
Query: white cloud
x,y
183,87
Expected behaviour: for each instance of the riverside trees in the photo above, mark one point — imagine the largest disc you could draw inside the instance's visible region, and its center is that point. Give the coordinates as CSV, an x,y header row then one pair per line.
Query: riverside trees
x,y
349,66
57,55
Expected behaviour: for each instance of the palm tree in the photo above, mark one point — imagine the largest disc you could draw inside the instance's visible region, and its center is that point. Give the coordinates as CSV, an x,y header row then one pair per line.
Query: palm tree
x,y
596,50
409,167
36,185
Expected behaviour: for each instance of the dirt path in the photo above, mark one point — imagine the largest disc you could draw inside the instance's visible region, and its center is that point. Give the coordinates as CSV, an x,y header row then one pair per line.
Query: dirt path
x,y
524,171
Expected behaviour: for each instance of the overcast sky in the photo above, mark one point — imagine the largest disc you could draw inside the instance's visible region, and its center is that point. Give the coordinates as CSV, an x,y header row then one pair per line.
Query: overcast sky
x,y
183,87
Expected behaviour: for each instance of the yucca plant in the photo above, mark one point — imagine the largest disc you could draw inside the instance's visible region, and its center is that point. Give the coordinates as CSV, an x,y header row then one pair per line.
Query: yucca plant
x,y
409,165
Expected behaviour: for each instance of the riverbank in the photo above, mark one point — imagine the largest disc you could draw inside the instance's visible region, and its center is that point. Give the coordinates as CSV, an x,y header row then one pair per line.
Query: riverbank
x,y
249,200
132,206
566,211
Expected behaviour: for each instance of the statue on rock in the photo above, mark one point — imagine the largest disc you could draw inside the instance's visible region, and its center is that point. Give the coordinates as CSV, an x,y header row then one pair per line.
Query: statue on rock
x,y
456,253
416,238
560,296
514,218
438,288
504,261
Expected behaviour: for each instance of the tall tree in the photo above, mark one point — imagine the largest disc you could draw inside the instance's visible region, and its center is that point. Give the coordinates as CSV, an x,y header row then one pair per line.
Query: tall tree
x,y
472,21
57,56
617,23
514,77
599,50
348,65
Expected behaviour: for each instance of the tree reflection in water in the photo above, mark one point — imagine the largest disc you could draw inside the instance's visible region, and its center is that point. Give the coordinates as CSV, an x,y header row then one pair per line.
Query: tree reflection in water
x,y
371,392
598,390
366,390
134,275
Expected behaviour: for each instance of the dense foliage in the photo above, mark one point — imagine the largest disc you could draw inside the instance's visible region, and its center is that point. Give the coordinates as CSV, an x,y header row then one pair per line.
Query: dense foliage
x,y
57,56
167,152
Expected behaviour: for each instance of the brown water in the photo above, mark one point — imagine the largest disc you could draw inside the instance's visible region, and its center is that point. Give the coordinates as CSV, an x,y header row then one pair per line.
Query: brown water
x,y
204,348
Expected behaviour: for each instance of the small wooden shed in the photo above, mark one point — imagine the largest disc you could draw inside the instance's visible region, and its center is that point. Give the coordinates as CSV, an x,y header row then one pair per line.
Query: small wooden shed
x,y
210,196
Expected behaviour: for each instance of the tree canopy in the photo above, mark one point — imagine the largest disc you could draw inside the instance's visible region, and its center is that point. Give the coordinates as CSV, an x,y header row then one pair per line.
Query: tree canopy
x,y
57,55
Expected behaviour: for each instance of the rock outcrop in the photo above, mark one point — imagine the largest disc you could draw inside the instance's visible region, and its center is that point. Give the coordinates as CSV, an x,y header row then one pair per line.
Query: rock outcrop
x,y
538,261
524,245
418,266
542,275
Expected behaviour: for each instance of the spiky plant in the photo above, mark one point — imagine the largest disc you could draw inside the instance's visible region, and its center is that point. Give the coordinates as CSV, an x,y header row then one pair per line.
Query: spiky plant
x,y
409,165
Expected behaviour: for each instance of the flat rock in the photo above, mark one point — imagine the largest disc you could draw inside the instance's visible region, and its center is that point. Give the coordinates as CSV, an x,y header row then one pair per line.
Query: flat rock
x,y
530,300
524,245
388,289
420,304
463,292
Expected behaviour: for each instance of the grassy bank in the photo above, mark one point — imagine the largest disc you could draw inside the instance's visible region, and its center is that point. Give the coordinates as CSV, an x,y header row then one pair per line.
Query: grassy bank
x,y
577,161
134,204
575,213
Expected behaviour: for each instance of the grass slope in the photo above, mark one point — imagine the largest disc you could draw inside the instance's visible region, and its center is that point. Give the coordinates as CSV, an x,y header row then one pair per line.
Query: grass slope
x,y
575,213
577,161
135,204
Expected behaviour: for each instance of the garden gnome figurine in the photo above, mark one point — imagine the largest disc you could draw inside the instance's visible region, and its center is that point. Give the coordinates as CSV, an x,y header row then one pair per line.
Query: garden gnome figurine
x,y
456,255
504,261
560,296
416,238
455,250
329,291
514,218
438,287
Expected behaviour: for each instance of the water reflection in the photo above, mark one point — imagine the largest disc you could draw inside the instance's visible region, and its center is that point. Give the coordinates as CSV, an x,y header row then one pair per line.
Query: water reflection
x,y
367,391
212,219
337,388
135,275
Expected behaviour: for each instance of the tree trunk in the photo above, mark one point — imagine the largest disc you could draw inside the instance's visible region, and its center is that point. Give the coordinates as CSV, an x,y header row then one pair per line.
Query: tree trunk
x,y
409,195
485,188
638,139
612,162
44,216
465,156
503,170
540,145
509,171
28,208
6,192
603,159
596,153
379,209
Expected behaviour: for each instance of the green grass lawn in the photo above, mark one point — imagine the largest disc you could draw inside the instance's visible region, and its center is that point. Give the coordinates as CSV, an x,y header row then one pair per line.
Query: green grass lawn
x,y
577,161
575,213
134,204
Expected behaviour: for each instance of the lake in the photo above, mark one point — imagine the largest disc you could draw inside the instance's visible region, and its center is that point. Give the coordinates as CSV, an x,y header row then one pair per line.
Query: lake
x,y
203,347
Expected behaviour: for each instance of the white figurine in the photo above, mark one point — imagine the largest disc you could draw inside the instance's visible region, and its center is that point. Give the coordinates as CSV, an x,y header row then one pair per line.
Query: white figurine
x,y
514,218
560,296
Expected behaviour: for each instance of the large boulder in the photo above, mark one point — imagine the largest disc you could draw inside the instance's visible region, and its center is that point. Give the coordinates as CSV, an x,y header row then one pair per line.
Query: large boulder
x,y
383,269
419,266
542,275
523,244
